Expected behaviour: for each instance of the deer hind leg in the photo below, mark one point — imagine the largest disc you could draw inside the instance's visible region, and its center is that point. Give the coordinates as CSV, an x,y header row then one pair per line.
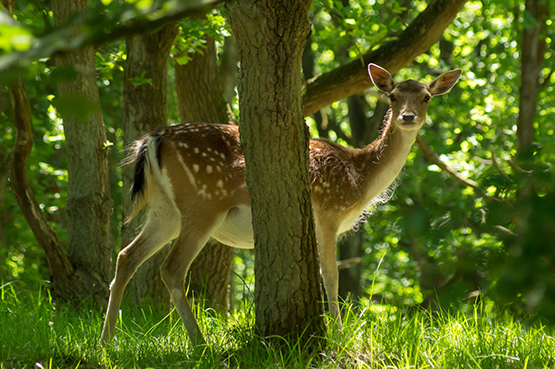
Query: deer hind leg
x,y
157,232
193,237
328,266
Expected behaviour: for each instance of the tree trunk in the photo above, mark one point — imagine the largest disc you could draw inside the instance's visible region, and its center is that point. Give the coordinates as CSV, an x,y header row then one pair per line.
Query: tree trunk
x,y
5,215
533,51
89,204
199,93
145,108
271,36
533,46
200,99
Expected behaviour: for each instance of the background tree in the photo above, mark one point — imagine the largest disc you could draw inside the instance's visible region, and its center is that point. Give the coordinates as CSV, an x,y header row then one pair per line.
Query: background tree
x,y
89,204
533,54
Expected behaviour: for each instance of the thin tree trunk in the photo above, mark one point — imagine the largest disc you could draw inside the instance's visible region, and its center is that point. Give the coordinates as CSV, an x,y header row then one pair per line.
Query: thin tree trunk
x,y
5,215
89,204
533,45
349,278
199,93
271,37
533,51
228,68
200,99
145,108
56,255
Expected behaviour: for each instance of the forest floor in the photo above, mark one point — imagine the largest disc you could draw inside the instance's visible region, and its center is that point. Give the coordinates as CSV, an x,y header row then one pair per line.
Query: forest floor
x,y
36,333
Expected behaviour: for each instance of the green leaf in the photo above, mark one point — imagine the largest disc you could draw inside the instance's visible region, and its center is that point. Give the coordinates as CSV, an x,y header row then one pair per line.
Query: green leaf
x,y
14,38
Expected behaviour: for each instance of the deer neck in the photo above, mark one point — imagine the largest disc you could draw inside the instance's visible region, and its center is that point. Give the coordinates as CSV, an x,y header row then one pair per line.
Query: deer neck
x,y
381,162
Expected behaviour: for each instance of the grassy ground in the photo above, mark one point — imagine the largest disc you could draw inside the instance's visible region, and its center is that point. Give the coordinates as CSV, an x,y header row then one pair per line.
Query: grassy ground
x,y
34,333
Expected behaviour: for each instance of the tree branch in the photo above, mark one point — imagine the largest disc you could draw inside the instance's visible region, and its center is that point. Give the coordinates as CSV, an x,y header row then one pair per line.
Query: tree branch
x,y
352,78
99,29
348,263
433,158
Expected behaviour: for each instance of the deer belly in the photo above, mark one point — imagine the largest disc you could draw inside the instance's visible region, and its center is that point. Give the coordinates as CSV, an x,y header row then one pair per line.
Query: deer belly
x,y
349,220
236,229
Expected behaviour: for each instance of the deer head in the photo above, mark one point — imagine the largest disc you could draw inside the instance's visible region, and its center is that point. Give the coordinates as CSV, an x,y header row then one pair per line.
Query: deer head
x,y
409,99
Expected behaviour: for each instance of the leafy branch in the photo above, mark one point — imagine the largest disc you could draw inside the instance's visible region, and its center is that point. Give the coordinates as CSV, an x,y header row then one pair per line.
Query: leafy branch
x,y
97,27
434,158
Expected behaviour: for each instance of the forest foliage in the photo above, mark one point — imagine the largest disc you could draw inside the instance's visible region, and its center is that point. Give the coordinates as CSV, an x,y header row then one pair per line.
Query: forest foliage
x,y
472,216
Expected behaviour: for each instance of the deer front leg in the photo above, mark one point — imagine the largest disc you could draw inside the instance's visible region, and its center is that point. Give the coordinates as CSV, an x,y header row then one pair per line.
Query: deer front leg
x,y
330,275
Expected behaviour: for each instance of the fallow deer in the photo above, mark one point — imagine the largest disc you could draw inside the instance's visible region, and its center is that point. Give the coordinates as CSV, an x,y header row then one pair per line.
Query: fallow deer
x,y
192,176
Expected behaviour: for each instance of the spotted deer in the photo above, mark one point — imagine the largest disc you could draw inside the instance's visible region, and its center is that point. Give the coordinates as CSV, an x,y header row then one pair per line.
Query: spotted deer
x,y
192,176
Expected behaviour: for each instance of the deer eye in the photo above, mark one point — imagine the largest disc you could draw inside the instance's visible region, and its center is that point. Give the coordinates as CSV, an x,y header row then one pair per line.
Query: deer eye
x,y
427,99
392,98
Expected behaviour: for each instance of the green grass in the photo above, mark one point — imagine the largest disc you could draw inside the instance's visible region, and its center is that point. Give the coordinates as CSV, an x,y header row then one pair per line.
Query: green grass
x,y
35,333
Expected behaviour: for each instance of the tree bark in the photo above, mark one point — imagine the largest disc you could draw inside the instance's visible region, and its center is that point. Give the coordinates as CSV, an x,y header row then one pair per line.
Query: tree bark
x,y
533,51
89,204
200,99
199,93
271,36
145,108
352,77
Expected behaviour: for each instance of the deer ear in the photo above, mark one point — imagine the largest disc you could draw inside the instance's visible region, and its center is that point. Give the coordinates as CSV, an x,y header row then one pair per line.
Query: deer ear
x,y
444,83
381,78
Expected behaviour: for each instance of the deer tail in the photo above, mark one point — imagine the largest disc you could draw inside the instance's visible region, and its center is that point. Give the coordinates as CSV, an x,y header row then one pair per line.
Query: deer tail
x,y
145,158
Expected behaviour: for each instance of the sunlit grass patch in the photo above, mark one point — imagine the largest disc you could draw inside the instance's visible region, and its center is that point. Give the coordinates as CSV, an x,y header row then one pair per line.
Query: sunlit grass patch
x,y
35,332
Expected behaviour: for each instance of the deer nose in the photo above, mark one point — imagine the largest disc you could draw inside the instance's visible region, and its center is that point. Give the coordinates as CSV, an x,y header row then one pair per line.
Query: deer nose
x,y
409,117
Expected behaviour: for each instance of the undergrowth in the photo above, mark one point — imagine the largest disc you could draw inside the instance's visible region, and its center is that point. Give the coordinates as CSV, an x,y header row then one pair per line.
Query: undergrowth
x,y
35,332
